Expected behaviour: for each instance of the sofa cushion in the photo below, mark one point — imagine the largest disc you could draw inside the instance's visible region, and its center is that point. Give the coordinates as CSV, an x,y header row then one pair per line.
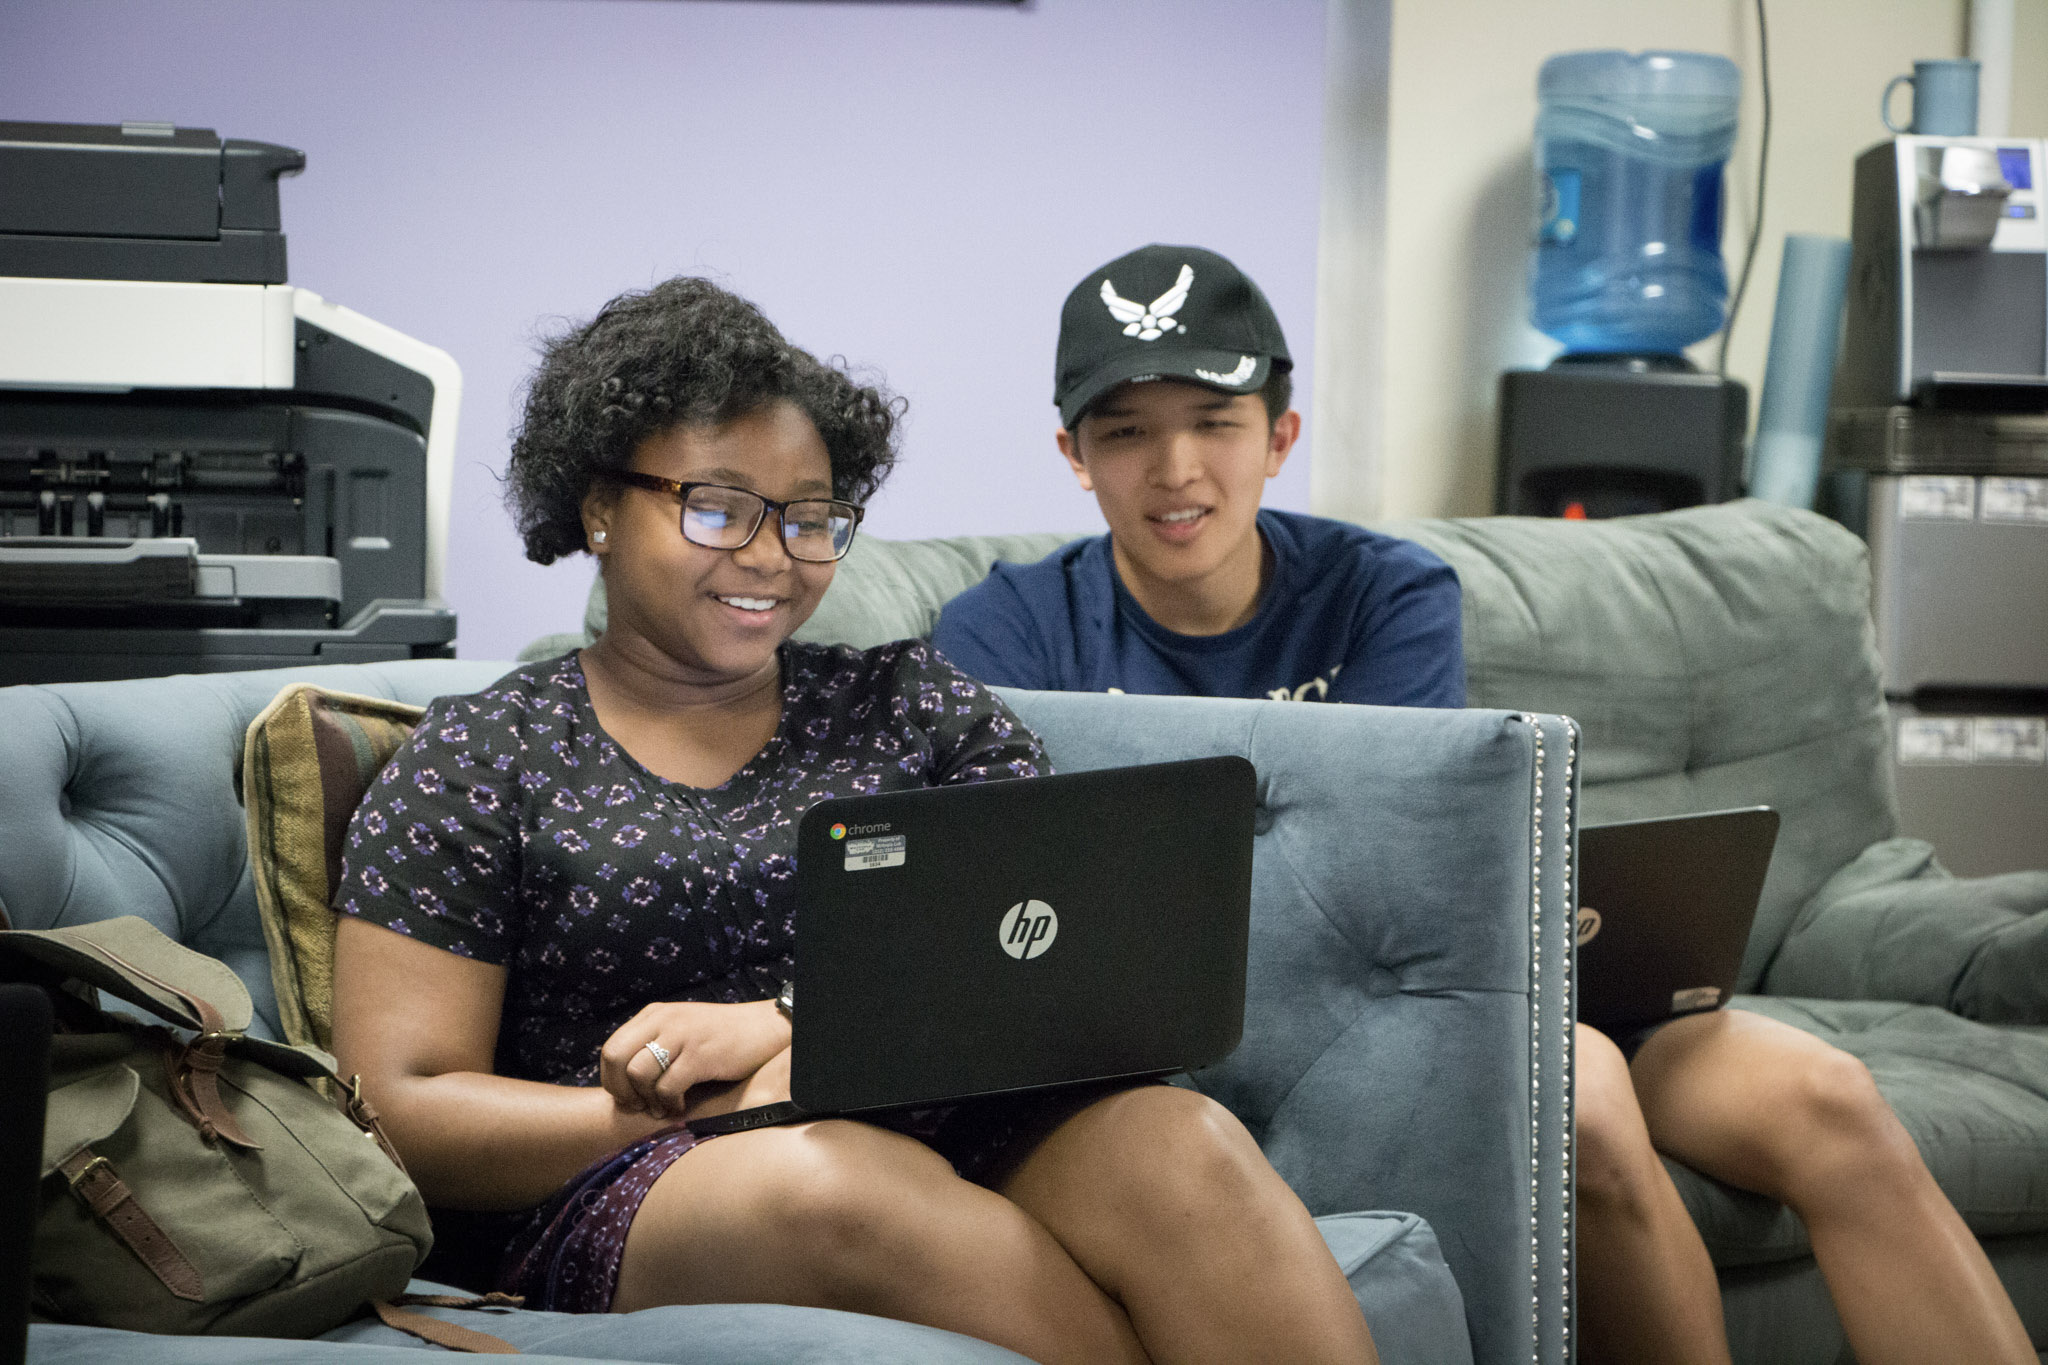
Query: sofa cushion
x,y
894,590
1974,1098
704,1334
307,760
1894,925
1392,1260
1411,1302
1719,656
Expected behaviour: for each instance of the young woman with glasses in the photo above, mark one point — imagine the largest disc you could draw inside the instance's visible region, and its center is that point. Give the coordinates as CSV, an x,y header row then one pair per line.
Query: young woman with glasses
x,y
567,919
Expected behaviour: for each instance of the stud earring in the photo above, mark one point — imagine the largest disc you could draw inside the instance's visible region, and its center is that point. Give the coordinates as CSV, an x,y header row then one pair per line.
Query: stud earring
x,y
597,536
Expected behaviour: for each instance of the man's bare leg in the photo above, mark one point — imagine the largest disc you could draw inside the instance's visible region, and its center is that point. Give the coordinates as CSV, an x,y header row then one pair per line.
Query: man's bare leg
x,y
1766,1107
1647,1291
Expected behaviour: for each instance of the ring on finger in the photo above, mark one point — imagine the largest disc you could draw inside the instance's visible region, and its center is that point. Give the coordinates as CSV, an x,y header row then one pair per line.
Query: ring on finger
x,y
662,1056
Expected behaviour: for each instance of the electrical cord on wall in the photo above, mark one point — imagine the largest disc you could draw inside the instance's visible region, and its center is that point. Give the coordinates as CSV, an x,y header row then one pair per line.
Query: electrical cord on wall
x,y
1763,162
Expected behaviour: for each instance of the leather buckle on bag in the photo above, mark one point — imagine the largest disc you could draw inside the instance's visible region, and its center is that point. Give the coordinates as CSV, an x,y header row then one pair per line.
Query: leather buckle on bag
x,y
79,1176
359,1109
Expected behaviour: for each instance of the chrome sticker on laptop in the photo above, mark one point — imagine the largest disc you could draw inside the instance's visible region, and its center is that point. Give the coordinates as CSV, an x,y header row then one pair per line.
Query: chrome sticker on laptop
x,y
865,855
1695,998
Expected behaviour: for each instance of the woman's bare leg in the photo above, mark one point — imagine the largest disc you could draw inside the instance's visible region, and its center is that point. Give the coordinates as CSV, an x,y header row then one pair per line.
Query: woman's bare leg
x,y
844,1215
1165,1201
1766,1107
1647,1291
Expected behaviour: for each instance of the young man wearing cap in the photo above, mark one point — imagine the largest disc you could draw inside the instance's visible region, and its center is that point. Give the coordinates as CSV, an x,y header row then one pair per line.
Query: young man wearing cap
x,y
1174,413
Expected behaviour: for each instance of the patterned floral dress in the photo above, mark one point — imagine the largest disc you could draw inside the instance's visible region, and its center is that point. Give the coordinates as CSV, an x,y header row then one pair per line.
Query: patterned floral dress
x,y
512,829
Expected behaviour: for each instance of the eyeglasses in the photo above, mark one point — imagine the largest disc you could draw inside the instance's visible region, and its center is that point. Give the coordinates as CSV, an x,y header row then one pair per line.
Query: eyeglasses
x,y
718,517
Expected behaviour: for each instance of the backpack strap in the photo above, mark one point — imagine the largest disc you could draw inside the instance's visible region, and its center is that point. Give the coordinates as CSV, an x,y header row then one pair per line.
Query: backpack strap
x,y
448,1334
176,987
93,1179
363,1114
195,1069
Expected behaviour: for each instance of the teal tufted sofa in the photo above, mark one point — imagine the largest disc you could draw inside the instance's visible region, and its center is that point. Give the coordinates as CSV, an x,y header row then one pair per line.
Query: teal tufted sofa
x,y
1716,657
1407,1040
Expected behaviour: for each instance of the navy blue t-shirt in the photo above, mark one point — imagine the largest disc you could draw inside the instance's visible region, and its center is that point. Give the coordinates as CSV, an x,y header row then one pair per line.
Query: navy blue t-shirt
x,y
1347,615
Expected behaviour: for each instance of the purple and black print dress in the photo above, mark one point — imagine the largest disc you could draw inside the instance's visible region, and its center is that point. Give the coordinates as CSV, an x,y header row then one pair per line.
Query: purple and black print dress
x,y
513,830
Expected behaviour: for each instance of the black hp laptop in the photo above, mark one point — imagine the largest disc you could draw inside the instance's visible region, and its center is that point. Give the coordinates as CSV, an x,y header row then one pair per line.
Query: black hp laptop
x,y
1664,912
1001,937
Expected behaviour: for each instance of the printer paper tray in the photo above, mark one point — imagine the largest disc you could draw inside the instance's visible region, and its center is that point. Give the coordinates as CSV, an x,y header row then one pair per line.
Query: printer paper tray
x,y
382,632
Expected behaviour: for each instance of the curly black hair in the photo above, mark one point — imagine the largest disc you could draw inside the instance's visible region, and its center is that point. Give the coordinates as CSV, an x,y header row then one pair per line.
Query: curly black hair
x,y
683,353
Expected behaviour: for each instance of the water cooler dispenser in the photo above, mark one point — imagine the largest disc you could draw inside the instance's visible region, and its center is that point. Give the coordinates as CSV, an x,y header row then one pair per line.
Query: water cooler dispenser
x,y
1938,452
1627,274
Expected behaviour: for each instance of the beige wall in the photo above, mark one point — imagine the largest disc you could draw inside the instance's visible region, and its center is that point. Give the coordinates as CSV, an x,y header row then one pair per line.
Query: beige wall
x,y
1461,104
2030,68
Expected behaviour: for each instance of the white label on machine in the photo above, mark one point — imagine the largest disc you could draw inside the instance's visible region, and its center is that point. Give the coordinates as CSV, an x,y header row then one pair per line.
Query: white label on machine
x,y
1937,497
864,855
2010,499
1935,739
2010,739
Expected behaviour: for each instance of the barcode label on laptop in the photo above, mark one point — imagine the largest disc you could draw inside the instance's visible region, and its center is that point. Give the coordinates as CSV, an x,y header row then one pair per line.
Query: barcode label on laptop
x,y
865,855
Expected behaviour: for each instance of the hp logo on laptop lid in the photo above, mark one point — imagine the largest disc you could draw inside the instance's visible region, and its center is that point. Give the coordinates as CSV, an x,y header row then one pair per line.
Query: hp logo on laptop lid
x,y
1028,929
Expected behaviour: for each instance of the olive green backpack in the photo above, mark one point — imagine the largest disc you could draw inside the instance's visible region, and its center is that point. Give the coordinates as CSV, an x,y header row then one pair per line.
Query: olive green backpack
x,y
203,1180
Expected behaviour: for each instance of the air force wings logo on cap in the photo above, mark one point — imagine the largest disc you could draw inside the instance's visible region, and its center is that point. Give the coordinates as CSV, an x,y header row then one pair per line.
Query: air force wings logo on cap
x,y
1149,321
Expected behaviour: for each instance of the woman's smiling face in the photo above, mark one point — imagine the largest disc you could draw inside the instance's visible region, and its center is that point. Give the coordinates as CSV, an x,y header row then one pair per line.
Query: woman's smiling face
x,y
719,615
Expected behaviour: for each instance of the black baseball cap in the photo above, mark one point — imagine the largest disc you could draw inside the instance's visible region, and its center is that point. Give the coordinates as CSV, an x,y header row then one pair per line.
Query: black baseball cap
x,y
1165,312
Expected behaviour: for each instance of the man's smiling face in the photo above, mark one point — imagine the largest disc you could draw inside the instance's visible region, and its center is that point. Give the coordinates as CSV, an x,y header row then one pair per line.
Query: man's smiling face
x,y
1178,470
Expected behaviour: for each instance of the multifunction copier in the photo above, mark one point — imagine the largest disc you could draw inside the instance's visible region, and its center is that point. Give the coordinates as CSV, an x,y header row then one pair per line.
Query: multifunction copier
x,y
1938,451
202,468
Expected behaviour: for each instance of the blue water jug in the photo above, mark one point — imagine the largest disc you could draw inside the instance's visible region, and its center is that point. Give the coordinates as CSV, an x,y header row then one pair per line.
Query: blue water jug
x,y
1629,150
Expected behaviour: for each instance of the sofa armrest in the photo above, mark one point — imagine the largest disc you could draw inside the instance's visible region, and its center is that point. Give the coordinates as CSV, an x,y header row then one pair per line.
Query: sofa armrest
x,y
1894,925
1408,1013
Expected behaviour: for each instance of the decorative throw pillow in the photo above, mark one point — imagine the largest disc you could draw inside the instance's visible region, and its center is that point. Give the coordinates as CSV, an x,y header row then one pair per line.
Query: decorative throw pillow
x,y
306,762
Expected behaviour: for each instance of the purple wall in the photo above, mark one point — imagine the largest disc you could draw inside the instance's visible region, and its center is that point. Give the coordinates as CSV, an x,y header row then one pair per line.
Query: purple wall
x,y
914,186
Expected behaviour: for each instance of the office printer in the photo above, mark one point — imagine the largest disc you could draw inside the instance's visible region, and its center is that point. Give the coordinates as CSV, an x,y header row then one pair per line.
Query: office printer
x,y
1938,453
202,468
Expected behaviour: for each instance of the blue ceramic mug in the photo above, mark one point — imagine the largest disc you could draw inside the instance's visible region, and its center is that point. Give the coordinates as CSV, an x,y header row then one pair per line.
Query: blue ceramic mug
x,y
1944,98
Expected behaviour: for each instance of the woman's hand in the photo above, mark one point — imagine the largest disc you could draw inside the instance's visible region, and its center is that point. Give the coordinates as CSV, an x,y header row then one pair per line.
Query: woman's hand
x,y
704,1042
769,1085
